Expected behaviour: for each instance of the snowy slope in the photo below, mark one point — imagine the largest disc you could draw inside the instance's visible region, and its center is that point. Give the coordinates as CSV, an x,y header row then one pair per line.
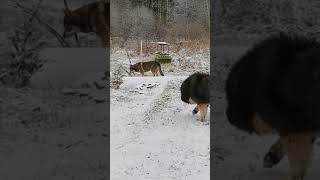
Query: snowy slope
x,y
153,133
69,66
46,133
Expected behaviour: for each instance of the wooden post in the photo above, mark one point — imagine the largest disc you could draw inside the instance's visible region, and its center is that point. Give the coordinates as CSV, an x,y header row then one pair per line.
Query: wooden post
x,y
141,48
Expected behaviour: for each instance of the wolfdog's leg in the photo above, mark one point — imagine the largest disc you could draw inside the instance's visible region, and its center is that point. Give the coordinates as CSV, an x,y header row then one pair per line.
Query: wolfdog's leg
x,y
203,111
274,155
299,150
195,110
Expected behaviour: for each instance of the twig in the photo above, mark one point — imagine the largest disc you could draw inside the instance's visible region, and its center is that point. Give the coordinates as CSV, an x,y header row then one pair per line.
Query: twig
x,y
74,144
129,73
14,42
29,33
128,56
49,28
50,85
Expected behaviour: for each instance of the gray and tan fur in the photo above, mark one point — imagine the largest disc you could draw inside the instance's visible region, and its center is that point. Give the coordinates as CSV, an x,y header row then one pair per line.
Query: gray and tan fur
x,y
93,17
143,67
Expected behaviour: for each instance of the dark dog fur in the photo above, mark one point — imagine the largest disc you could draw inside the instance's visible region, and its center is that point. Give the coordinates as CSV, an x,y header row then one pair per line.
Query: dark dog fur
x,y
276,87
195,89
279,79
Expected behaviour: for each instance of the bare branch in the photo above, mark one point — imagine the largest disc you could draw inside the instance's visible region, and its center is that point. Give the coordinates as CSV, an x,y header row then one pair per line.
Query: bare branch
x,y
66,5
47,26
128,56
129,73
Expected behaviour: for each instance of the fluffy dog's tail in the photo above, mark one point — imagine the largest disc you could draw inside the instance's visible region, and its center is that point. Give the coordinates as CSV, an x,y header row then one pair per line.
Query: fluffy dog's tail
x,y
184,89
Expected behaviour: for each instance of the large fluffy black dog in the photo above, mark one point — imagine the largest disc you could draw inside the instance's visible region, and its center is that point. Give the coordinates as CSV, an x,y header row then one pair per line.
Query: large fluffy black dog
x,y
195,90
275,87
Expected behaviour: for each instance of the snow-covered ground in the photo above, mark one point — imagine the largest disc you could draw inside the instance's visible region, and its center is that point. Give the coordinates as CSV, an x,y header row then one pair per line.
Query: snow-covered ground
x,y
57,132
236,154
183,63
153,133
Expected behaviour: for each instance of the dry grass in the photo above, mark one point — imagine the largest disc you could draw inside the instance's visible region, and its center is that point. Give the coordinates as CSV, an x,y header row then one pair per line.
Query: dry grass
x,y
116,79
149,48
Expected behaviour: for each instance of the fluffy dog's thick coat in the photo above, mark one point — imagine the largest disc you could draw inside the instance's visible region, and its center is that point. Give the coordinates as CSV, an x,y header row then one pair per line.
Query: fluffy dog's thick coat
x,y
195,90
276,87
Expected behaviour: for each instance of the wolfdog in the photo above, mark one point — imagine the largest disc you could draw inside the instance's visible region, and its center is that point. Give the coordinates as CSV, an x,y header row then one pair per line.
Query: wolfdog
x,y
93,17
143,67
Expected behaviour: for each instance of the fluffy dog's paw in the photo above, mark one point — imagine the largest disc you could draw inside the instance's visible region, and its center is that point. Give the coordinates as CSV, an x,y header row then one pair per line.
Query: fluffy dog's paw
x,y
194,111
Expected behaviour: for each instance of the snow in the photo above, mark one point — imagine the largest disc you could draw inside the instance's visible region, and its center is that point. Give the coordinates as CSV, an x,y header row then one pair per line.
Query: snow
x,y
153,133
46,134
162,43
184,62
70,66
52,13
